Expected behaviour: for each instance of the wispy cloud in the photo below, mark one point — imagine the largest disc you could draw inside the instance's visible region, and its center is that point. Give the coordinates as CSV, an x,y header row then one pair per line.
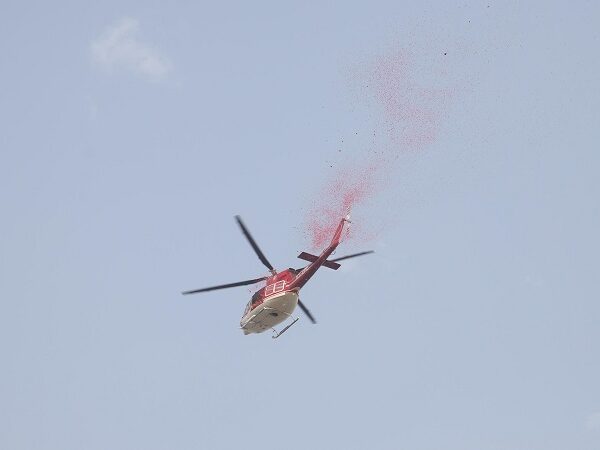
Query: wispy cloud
x,y
593,421
119,47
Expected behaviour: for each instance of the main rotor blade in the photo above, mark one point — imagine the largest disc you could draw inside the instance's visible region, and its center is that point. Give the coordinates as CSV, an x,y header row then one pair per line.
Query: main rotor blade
x,y
306,311
225,286
352,256
260,254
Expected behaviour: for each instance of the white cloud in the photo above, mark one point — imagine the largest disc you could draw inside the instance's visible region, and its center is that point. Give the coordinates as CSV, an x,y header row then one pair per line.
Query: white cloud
x,y
119,47
593,421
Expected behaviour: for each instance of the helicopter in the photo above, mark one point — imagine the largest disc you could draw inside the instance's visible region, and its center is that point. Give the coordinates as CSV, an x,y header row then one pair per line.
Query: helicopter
x,y
275,302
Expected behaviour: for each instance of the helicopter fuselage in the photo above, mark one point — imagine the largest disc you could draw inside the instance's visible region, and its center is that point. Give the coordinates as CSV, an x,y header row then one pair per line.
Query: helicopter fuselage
x,y
271,312
272,304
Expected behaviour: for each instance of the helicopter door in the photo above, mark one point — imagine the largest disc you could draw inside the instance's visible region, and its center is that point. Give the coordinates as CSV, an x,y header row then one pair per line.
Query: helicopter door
x,y
274,288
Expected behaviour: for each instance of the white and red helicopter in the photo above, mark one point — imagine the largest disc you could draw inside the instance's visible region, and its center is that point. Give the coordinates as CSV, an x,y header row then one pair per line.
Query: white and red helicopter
x,y
276,301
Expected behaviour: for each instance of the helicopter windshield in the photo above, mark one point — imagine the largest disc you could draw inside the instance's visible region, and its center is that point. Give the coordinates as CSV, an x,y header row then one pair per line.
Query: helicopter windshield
x,y
253,301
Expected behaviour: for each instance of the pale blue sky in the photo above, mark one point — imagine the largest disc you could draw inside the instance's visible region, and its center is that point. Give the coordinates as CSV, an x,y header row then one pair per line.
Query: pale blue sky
x,y
473,327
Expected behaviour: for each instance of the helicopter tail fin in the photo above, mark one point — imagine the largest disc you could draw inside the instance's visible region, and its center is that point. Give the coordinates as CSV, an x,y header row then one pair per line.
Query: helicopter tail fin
x,y
338,232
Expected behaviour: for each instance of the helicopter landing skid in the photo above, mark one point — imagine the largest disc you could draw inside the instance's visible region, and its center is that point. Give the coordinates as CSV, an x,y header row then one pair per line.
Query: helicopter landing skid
x,y
277,334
